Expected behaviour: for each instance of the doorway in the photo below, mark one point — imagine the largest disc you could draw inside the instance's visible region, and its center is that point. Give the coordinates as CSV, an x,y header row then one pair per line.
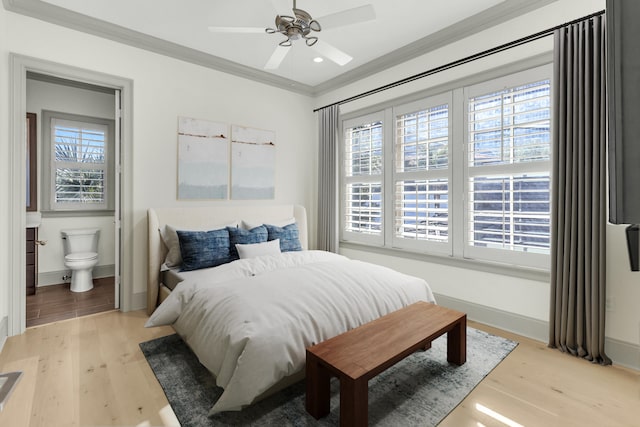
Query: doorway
x,y
21,66
75,151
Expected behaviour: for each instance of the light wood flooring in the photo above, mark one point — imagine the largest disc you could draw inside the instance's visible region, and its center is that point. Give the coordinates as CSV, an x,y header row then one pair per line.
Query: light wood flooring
x,y
90,371
56,302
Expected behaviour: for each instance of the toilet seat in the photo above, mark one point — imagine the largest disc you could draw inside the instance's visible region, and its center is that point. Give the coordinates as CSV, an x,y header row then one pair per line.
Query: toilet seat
x,y
81,256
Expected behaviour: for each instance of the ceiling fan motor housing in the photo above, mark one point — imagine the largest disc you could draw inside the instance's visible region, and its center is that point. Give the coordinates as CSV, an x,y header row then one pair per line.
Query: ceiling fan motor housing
x,y
296,27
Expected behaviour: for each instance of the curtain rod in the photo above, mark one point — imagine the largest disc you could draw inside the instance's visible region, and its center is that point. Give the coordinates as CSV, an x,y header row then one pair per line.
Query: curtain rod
x,y
514,43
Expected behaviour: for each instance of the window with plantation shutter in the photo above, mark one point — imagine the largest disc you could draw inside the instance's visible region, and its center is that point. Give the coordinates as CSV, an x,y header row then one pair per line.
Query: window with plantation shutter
x,y
79,172
363,179
508,171
421,174
464,173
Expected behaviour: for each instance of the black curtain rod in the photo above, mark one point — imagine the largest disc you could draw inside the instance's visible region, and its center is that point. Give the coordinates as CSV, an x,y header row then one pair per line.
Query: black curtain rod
x,y
462,61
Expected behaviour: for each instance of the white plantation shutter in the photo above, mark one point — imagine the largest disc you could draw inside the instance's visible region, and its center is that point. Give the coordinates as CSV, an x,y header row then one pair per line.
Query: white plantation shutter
x,y
508,173
421,175
79,165
465,173
421,210
363,179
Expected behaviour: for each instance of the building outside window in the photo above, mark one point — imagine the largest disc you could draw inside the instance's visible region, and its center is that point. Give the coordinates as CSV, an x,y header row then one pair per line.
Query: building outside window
x,y
403,182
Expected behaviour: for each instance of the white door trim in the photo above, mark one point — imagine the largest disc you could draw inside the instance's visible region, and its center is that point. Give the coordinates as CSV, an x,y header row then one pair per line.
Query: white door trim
x,y
19,66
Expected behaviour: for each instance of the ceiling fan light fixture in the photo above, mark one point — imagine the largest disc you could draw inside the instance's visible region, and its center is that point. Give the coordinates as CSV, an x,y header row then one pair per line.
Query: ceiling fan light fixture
x,y
311,40
285,43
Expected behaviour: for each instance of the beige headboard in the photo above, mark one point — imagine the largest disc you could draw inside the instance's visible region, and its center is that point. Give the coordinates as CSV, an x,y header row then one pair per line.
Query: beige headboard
x,y
197,217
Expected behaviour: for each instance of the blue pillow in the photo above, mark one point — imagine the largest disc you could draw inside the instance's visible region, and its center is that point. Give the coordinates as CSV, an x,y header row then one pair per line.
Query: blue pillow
x,y
289,236
245,237
202,249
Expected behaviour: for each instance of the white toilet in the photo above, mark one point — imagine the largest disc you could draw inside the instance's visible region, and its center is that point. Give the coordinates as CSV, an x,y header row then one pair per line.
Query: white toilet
x,y
80,256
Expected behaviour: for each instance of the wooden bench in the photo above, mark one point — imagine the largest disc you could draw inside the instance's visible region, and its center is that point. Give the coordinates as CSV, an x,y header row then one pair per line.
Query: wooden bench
x,y
362,353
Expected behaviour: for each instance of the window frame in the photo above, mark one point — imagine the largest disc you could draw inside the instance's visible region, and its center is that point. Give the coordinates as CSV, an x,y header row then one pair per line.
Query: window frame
x,y
422,104
457,251
349,236
528,259
50,206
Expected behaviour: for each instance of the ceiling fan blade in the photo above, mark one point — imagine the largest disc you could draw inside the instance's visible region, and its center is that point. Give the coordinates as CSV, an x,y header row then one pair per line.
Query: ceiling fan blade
x,y
243,30
331,52
277,57
348,17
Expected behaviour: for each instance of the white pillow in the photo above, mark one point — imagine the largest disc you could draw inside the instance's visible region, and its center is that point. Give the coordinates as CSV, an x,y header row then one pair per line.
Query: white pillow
x,y
253,250
170,238
248,225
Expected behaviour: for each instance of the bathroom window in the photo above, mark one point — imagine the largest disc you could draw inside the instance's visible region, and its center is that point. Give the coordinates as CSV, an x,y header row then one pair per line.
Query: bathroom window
x,y
79,176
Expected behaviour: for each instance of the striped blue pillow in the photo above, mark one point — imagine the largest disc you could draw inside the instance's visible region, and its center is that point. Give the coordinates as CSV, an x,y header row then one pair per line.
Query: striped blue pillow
x,y
202,249
289,236
245,237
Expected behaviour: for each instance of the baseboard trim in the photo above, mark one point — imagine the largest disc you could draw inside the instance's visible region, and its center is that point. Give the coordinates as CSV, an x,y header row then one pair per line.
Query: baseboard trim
x,y
4,331
139,301
622,353
56,277
507,321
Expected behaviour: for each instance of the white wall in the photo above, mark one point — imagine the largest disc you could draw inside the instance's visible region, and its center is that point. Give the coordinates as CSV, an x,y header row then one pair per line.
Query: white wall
x,y
519,296
4,171
163,89
54,97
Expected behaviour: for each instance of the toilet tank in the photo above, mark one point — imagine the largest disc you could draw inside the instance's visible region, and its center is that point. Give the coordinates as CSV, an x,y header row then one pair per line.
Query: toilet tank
x,y
80,240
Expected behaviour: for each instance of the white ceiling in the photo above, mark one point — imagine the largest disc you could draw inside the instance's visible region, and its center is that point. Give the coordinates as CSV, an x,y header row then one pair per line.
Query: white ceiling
x,y
401,30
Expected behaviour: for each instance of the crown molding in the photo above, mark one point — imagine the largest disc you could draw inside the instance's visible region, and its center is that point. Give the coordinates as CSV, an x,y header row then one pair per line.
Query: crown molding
x,y
76,21
495,15
488,18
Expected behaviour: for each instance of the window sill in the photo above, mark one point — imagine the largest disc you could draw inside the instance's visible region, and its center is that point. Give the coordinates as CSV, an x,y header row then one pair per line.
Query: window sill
x,y
528,273
65,214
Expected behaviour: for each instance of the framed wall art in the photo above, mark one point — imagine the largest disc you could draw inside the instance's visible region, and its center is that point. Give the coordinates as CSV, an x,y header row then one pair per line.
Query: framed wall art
x,y
253,163
203,159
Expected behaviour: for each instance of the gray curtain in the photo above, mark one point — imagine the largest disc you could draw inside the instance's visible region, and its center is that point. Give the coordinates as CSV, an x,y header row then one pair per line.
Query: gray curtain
x,y
579,192
328,179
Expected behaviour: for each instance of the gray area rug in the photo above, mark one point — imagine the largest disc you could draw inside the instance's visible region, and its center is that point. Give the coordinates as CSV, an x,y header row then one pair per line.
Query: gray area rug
x,y
419,391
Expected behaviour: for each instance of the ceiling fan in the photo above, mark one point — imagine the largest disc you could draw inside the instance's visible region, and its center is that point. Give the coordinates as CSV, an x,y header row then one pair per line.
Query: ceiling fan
x,y
301,25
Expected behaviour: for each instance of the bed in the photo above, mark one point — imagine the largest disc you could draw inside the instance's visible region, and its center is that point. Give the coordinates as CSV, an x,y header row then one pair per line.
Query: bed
x,y
249,321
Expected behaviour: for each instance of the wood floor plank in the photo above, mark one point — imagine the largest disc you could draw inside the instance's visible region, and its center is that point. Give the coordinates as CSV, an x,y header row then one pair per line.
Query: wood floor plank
x,y
74,368
536,385
57,302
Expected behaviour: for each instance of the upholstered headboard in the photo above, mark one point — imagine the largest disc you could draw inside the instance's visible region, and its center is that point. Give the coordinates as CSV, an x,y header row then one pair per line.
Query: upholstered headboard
x,y
198,217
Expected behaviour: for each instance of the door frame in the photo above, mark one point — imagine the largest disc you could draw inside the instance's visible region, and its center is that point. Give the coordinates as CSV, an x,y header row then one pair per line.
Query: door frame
x,y
19,66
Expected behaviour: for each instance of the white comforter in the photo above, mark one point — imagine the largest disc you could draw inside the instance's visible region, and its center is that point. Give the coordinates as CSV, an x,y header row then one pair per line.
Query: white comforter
x,y
250,322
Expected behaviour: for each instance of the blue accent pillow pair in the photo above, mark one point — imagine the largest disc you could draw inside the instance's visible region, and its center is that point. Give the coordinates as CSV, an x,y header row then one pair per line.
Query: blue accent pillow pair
x,y
203,249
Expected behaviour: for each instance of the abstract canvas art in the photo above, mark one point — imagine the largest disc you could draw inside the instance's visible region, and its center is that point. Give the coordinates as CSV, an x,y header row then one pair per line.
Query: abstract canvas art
x,y
203,159
253,163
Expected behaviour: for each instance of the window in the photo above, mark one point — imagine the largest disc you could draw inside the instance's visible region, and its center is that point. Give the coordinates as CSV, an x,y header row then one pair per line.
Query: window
x,y
421,175
363,177
508,169
466,172
79,158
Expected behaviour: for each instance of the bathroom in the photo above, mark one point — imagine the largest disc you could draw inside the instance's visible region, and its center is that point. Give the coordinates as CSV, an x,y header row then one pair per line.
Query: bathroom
x,y
66,112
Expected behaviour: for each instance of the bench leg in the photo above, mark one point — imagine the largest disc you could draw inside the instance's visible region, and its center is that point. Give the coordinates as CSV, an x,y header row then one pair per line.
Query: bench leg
x,y
457,343
354,402
318,388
